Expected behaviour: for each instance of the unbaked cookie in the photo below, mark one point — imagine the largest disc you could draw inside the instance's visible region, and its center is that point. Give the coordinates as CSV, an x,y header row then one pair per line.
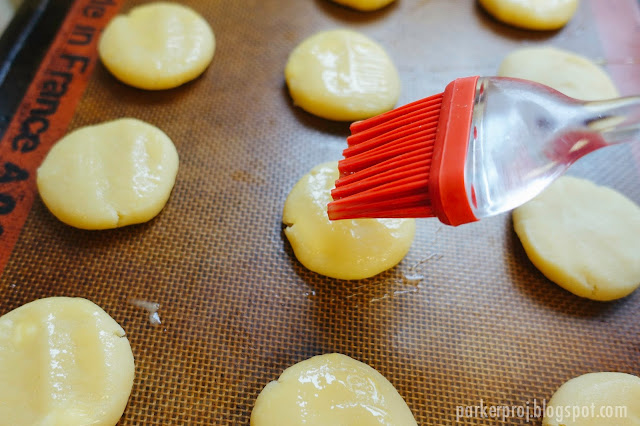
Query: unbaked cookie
x,y
330,389
63,361
596,399
348,249
364,5
583,237
342,75
567,72
532,14
109,175
579,78
157,46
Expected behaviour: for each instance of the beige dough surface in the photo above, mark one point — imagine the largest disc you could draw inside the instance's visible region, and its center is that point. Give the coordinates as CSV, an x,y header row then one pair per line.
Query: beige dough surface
x,y
346,249
567,72
63,362
157,46
364,5
583,237
596,396
109,175
331,389
568,248
532,14
342,75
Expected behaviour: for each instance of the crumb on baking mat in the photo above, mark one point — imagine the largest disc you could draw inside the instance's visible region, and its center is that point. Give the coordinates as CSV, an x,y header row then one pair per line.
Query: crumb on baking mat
x,y
151,307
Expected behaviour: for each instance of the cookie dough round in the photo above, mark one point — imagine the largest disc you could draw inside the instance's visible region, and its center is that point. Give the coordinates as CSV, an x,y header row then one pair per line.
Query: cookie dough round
x,y
364,5
348,249
157,46
63,361
532,14
342,75
567,72
592,400
583,237
330,389
109,175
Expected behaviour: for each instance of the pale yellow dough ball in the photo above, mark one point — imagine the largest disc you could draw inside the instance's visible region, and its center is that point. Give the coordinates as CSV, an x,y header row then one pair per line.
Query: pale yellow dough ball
x,y
63,362
109,175
583,237
157,46
342,75
331,389
596,399
560,229
532,14
364,5
348,249
567,72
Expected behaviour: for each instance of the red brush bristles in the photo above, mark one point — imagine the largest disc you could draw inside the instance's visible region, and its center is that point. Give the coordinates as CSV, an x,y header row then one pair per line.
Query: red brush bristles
x,y
385,170
410,162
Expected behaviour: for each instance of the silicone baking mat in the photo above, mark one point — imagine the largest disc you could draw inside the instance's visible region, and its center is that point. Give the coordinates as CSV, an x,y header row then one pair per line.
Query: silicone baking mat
x,y
464,321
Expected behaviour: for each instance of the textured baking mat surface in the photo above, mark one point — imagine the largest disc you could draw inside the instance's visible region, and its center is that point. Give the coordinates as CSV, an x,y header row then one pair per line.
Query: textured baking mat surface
x,y
464,320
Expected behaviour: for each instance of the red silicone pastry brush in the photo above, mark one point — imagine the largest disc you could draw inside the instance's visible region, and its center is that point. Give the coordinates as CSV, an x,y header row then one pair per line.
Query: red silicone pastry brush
x,y
484,146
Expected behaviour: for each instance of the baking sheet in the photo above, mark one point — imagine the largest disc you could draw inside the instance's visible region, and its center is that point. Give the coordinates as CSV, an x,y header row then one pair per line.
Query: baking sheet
x,y
464,320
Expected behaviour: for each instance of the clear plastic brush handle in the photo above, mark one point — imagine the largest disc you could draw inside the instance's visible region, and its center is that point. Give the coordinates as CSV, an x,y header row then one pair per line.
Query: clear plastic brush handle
x,y
525,135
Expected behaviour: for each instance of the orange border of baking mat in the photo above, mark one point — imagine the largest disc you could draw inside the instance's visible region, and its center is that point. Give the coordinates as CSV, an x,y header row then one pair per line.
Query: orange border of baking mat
x,y
620,21
46,111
